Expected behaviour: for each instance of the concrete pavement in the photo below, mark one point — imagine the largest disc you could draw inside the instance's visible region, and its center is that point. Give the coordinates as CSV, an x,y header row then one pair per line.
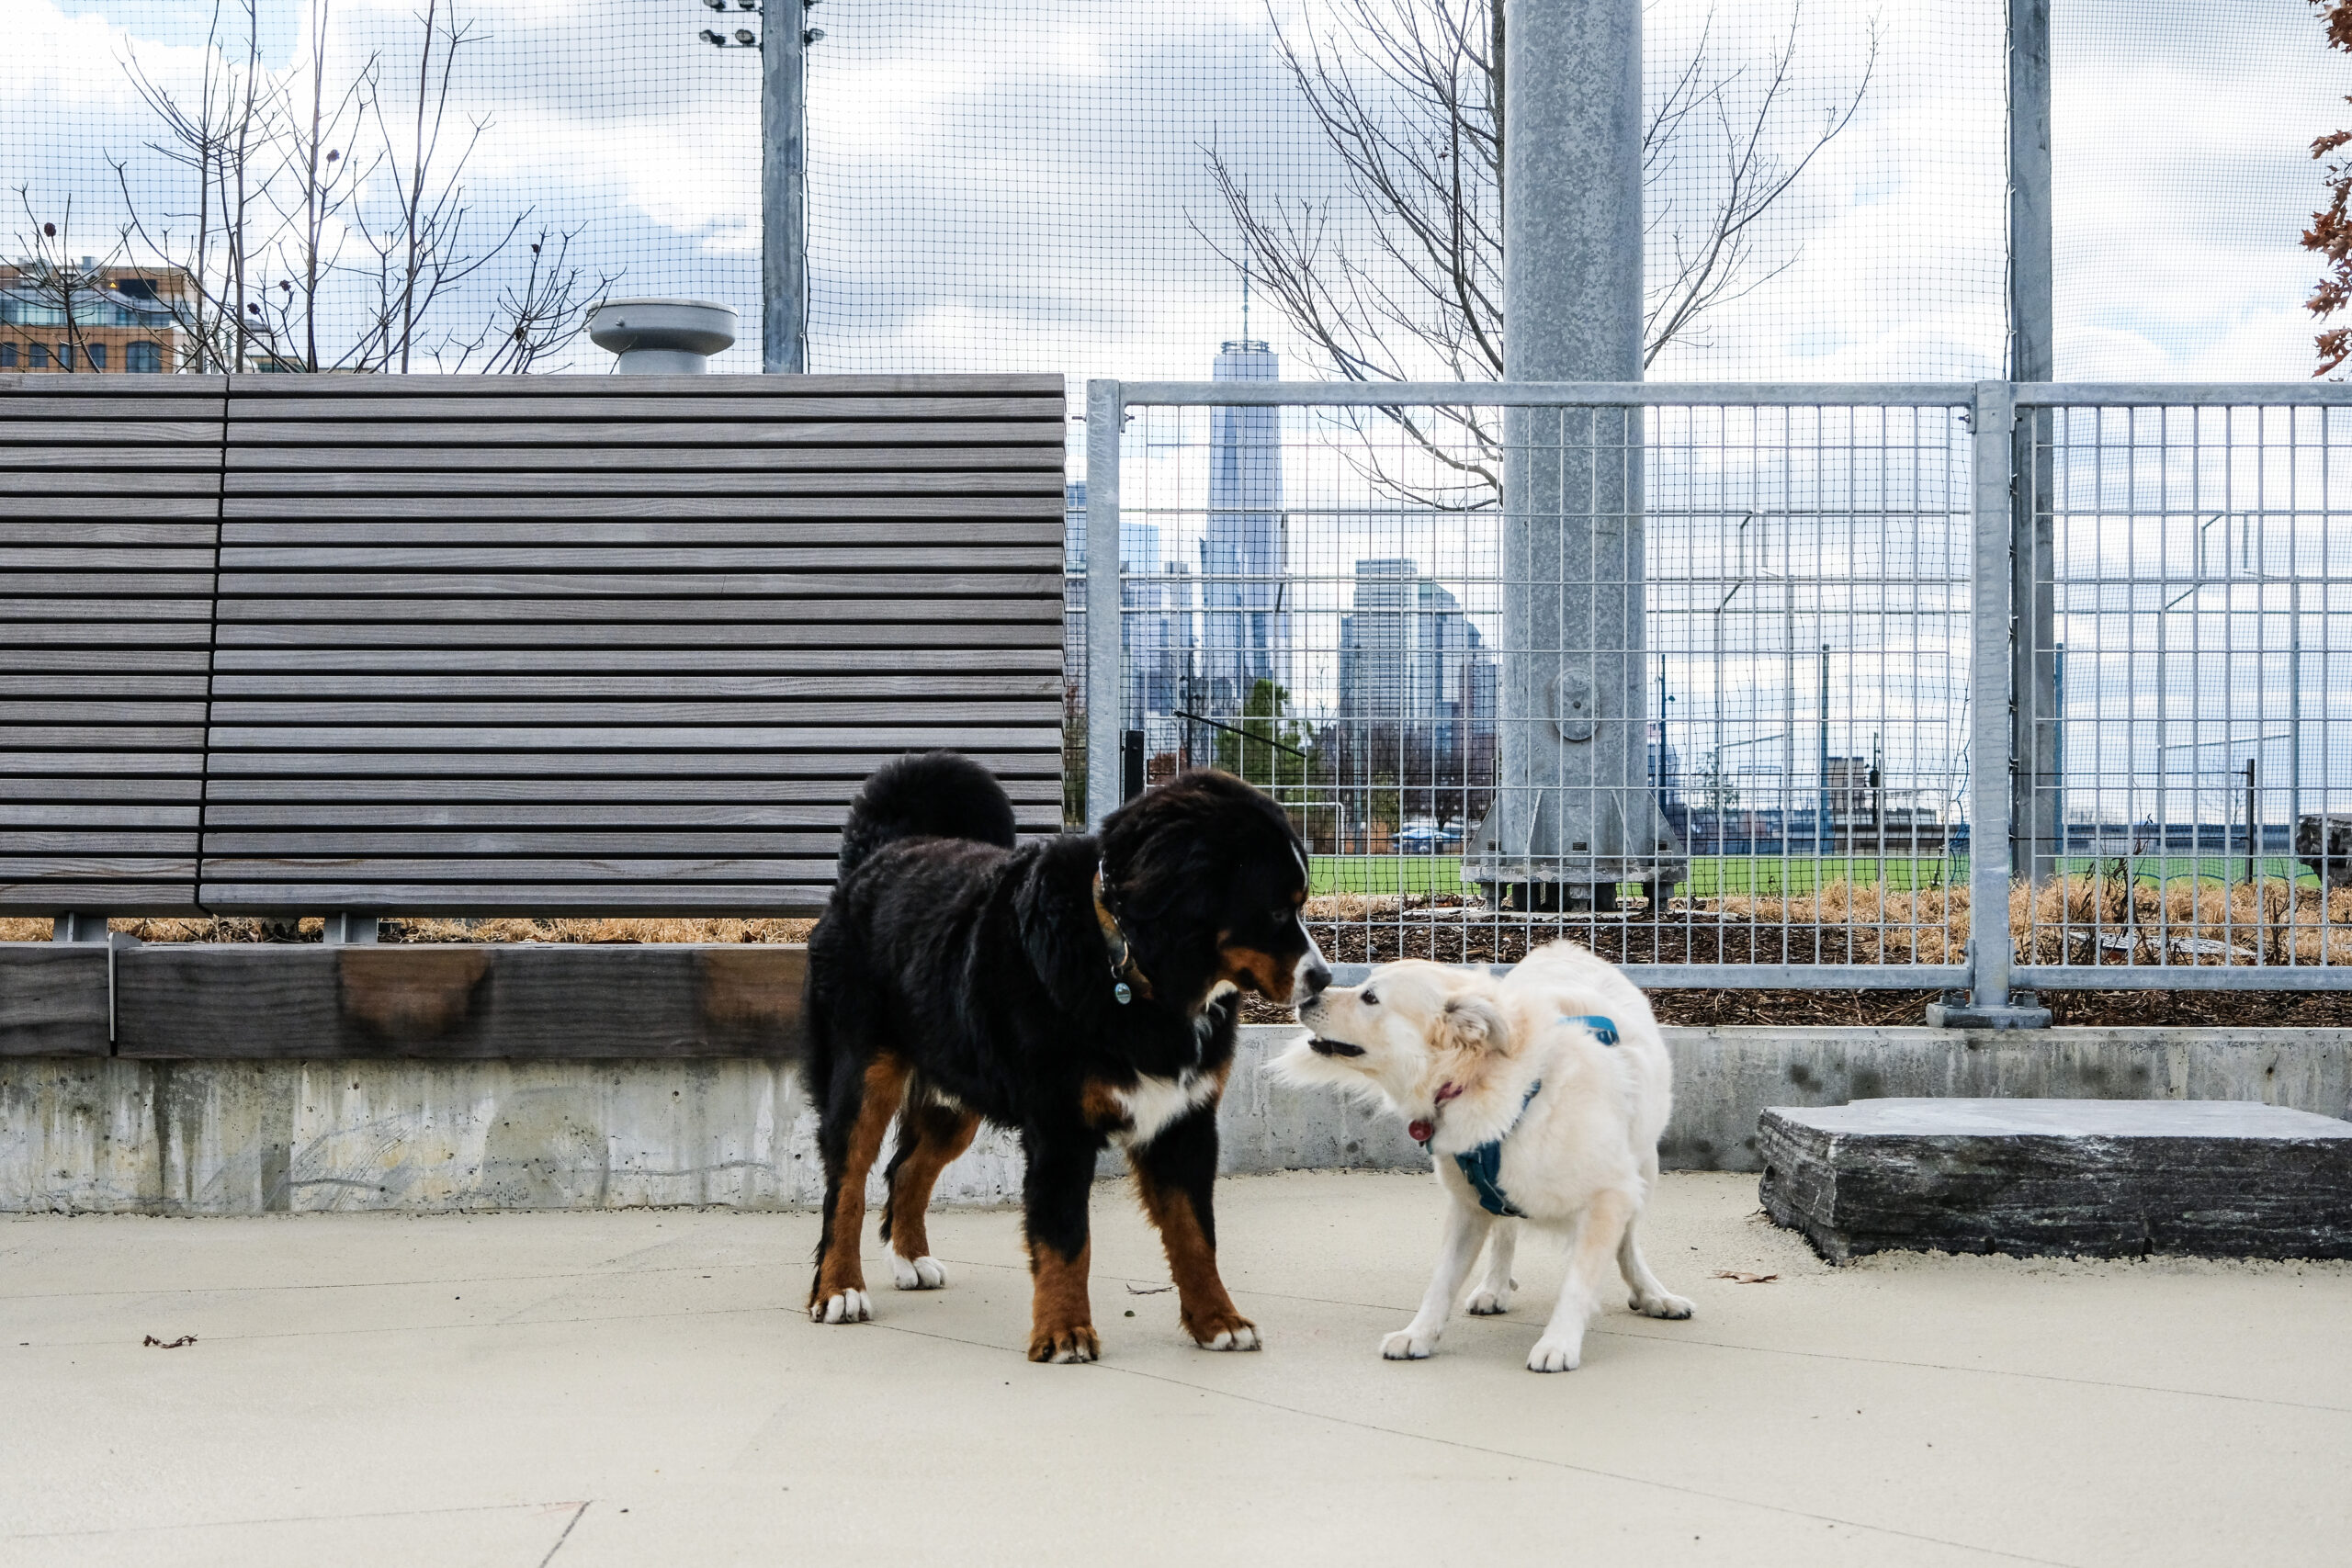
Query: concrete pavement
x,y
517,1390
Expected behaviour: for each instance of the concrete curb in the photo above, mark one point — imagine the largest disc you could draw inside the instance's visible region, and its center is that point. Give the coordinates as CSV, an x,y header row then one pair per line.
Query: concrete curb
x,y
82,1134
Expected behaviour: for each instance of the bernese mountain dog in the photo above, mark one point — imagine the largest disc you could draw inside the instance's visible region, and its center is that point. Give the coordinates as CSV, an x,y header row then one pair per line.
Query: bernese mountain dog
x,y
1079,991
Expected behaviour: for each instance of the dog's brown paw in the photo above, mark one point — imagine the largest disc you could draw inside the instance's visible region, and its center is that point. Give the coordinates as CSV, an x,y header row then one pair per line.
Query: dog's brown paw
x,y
1070,1343
1223,1331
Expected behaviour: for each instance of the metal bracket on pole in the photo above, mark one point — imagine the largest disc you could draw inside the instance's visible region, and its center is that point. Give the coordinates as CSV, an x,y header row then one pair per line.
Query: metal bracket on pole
x,y
1106,411
1989,1004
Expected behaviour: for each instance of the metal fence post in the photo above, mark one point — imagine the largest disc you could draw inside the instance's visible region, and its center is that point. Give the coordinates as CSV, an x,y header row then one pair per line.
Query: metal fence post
x,y
1105,413
1990,951
2037,817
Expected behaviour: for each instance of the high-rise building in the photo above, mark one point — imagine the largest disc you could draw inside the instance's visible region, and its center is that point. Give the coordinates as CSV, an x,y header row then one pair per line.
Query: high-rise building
x,y
1410,657
1245,630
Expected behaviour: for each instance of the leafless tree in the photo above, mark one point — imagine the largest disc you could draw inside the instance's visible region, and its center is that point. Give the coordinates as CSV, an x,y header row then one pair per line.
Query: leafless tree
x,y
331,226
53,282
1399,277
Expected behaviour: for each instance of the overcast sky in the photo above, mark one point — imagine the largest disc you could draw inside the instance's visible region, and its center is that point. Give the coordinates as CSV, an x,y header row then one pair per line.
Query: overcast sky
x,y
1016,186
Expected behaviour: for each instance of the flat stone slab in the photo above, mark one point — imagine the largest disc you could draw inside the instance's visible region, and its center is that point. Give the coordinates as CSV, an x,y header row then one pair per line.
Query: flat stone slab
x,y
2099,1178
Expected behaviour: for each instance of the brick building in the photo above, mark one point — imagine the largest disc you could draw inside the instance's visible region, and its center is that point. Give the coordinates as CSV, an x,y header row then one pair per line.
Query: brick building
x,y
120,318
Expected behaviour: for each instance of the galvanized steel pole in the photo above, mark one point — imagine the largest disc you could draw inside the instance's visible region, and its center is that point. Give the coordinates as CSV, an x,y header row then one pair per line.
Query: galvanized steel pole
x,y
2032,356
783,189
1990,950
1106,412
1574,814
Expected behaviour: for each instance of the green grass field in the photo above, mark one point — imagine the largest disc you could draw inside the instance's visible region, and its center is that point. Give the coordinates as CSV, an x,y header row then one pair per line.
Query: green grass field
x,y
1713,876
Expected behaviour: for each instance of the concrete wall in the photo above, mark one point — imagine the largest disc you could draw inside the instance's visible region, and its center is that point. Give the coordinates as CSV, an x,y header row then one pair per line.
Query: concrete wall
x,y
96,1135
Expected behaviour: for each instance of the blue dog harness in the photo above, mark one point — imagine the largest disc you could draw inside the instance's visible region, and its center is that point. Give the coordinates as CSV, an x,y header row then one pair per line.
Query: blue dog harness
x,y
1482,1165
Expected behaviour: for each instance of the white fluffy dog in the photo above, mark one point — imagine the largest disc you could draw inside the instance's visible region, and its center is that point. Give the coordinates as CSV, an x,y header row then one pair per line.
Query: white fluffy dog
x,y
1541,1095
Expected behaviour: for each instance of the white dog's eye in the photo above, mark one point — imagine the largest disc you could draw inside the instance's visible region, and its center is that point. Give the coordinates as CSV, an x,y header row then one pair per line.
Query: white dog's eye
x,y
1369,1000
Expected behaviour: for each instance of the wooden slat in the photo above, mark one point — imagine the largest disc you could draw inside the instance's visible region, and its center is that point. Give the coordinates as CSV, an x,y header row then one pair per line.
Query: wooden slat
x,y
371,404
961,623
521,898
571,814
779,391
84,867
195,508
33,681
52,1000
94,711
638,844
181,759
69,788
477,718
702,586
19,813
610,432
672,533
22,738
153,428
1034,760
681,738
520,1000
101,840
497,667
124,562
1036,457
38,461
880,508
465,871
464,566
117,480
418,479
416,795
134,638
484,685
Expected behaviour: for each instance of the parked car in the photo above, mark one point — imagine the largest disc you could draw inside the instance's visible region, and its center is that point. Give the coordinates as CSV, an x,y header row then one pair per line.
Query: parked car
x,y
1425,840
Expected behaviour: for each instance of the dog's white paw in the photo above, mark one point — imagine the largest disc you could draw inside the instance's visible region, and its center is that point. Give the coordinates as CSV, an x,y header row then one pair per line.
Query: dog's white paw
x,y
1487,1303
1668,1305
1245,1337
1409,1344
917,1273
1556,1356
849,1306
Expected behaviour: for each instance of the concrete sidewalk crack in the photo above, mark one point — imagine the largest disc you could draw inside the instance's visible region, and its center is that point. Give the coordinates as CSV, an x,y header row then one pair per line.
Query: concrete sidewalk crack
x,y
568,1526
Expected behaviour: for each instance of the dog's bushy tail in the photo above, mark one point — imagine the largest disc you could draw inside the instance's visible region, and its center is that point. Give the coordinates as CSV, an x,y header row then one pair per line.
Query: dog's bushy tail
x,y
938,794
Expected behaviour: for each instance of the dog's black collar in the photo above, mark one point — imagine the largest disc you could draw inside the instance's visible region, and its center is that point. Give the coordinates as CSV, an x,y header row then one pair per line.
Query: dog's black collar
x,y
1127,976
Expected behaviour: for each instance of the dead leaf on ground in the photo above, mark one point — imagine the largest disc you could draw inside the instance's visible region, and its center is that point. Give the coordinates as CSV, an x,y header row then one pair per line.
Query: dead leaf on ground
x,y
1738,1278
1149,1289
170,1344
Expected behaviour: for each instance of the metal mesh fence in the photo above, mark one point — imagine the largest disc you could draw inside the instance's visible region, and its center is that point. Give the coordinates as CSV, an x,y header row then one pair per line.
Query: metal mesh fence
x,y
1036,187
1423,631
2187,747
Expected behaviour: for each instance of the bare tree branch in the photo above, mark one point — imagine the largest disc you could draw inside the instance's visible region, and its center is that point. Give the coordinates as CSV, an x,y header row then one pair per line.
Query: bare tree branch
x,y
1405,281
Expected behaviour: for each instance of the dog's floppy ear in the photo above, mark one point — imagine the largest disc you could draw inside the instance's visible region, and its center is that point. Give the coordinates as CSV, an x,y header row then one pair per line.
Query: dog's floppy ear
x,y
1472,1025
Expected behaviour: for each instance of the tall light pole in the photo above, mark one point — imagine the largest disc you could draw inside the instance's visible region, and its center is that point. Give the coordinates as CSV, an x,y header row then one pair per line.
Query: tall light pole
x,y
783,43
1573,815
784,188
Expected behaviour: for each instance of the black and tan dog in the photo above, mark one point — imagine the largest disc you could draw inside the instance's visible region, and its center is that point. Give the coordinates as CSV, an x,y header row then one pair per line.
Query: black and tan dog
x,y
1078,990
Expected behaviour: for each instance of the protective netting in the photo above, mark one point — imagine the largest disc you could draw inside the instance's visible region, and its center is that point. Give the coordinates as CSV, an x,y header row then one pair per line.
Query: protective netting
x,y
1035,186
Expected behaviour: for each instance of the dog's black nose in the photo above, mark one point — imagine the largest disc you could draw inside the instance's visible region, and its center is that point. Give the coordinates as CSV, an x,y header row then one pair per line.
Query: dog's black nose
x,y
1317,979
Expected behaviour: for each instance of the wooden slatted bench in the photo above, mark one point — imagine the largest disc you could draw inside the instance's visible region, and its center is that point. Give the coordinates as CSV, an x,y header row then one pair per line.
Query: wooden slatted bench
x,y
618,644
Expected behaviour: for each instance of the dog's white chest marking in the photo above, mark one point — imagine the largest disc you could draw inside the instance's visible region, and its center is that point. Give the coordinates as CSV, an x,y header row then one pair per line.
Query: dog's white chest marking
x,y
1153,1103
